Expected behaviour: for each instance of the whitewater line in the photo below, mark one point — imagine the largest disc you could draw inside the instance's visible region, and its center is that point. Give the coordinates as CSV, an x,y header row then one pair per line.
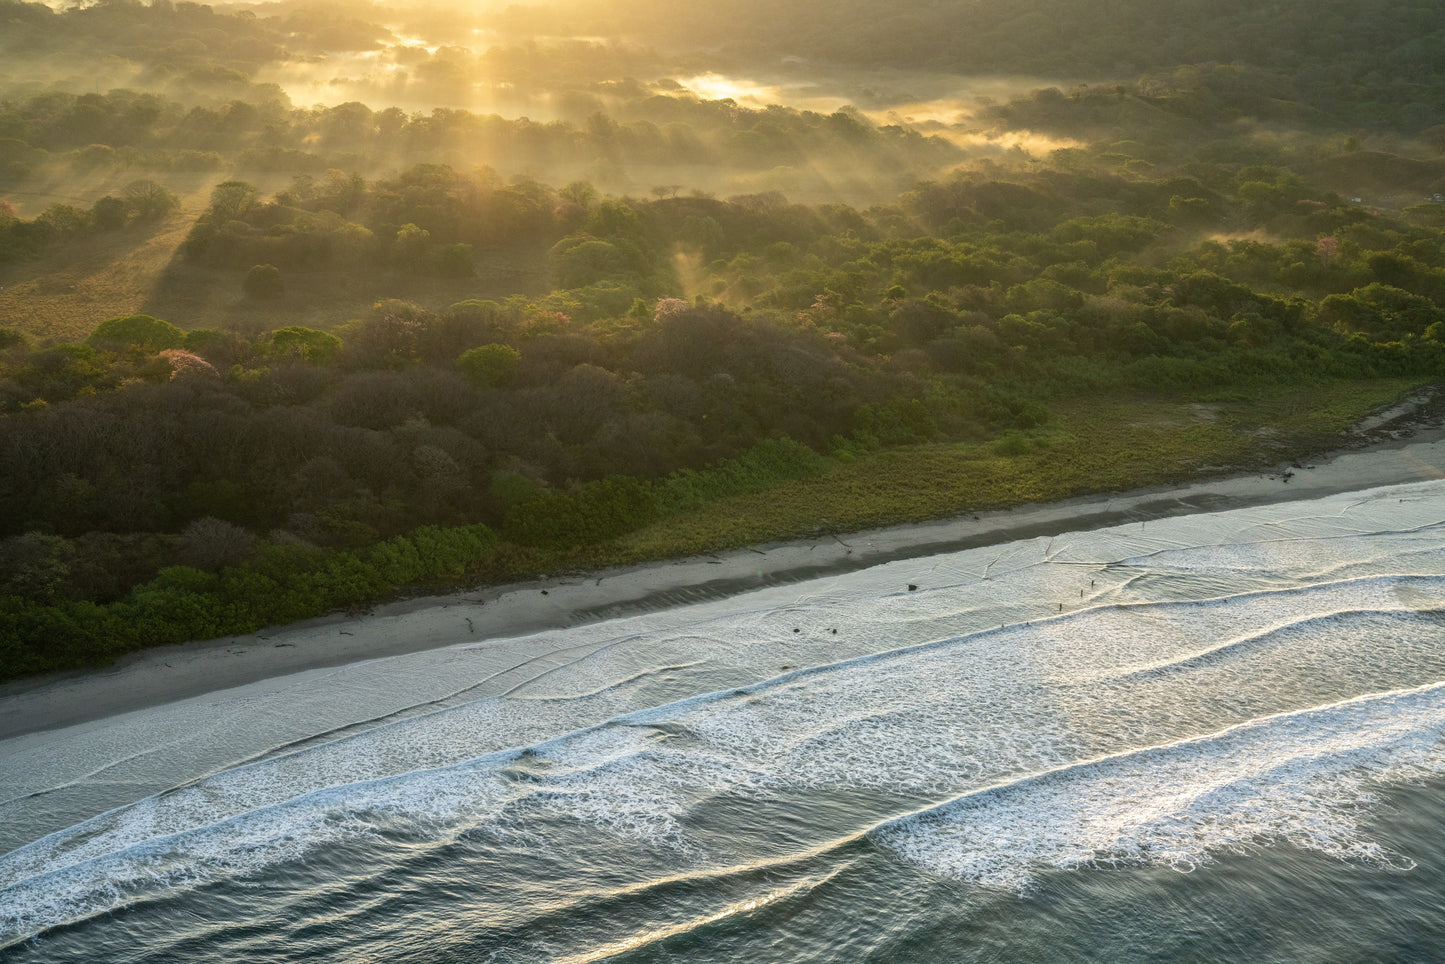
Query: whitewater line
x,y
648,715
1141,753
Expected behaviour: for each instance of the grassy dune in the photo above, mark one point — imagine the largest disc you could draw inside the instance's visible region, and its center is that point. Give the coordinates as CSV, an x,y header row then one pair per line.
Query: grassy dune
x,y
1091,447
63,295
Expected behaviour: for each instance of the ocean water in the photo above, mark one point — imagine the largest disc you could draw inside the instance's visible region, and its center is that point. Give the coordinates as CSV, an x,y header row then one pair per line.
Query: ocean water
x,y
1214,737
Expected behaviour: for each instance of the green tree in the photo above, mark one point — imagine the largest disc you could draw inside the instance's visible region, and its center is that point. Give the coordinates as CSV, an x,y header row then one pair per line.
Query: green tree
x,y
411,244
263,283
140,332
109,213
452,261
306,343
149,200
488,365
232,201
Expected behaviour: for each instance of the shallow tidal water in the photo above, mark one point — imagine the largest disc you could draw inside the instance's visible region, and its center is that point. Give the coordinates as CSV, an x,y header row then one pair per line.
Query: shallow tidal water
x,y
1214,737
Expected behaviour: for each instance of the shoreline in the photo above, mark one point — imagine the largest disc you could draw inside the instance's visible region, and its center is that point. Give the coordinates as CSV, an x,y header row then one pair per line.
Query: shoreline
x,y
1403,444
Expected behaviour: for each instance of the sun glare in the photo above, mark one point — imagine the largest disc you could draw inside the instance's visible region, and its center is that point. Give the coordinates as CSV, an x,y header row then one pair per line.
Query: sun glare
x,y
711,86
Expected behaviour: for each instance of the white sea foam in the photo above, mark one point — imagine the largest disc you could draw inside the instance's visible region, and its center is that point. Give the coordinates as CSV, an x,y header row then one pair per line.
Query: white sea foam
x,y
966,683
1305,778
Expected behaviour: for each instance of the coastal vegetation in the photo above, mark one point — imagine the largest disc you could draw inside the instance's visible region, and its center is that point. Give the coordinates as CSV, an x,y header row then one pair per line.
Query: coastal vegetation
x,y
314,355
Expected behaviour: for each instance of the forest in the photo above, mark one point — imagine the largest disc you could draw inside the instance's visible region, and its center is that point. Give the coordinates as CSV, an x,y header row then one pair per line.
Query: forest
x,y
553,302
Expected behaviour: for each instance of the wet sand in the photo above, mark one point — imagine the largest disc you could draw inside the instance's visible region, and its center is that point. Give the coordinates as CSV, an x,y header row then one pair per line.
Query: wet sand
x,y
167,674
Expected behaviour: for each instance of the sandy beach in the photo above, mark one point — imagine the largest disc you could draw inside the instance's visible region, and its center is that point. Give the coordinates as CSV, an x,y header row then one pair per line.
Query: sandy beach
x,y
1393,447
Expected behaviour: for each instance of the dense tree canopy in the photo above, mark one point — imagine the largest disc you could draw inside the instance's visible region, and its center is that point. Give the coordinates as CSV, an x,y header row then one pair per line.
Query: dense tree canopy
x,y
398,343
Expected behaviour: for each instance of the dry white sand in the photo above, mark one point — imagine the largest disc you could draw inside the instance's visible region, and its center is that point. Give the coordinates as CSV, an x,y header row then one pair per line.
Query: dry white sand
x,y
158,676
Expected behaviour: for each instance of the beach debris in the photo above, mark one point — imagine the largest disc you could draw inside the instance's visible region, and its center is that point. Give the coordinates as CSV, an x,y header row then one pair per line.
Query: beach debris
x,y
912,587
796,629
345,633
544,592
834,631
470,627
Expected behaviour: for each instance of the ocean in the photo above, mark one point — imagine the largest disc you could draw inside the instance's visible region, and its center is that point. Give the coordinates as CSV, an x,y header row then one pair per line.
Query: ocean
x,y
1211,737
